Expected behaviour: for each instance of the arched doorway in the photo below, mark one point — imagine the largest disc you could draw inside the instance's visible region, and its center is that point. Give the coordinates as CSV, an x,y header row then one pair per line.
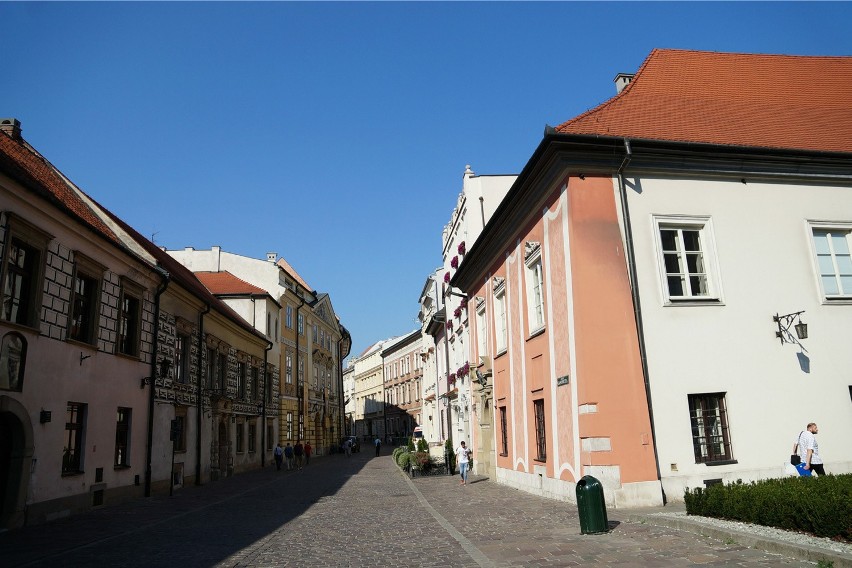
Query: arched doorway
x,y
16,452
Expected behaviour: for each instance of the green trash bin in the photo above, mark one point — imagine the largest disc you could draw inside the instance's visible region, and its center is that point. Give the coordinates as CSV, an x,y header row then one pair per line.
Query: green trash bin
x,y
592,507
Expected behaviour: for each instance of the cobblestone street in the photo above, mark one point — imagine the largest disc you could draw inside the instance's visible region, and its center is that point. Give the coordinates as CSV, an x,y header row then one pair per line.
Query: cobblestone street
x,y
358,511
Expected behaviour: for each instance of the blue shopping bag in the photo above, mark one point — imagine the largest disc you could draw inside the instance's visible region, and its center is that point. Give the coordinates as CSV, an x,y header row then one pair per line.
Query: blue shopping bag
x,y
802,471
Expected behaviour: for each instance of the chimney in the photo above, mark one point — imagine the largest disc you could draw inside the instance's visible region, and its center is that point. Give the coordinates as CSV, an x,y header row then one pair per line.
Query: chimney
x,y
622,80
271,257
11,126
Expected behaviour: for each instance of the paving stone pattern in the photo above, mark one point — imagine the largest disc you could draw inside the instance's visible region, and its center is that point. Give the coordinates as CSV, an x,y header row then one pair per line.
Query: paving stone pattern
x,y
358,511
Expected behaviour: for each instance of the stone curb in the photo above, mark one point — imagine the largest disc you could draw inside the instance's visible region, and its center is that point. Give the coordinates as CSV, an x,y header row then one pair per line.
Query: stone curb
x,y
766,544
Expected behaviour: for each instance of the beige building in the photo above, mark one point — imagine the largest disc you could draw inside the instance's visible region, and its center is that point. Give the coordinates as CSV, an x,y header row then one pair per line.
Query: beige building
x,y
403,376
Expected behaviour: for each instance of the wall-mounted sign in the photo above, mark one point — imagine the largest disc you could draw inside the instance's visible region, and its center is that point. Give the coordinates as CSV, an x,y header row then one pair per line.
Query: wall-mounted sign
x,y
562,380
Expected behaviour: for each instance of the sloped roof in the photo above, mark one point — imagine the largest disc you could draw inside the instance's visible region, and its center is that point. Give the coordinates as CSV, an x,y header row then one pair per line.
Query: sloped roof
x,y
289,270
25,165
736,99
225,283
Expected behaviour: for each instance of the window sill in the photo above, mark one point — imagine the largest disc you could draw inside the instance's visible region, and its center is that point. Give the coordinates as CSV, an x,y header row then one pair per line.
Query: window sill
x,y
118,467
81,343
669,302
536,333
720,462
504,455
128,356
540,460
839,301
72,473
500,353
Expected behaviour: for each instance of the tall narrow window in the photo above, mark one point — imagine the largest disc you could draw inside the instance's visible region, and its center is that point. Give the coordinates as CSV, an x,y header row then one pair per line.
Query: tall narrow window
x,y
252,435
122,438
270,432
481,338
222,369
25,253
834,261
289,425
72,452
255,383
180,430
301,324
301,427
710,438
289,319
500,319
685,253
211,368
535,295
181,358
240,436
289,369
301,373
241,380
540,432
504,433
130,318
84,308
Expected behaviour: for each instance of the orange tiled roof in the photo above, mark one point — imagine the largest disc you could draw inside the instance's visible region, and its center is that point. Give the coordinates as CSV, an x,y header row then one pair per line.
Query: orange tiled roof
x,y
20,161
736,99
226,283
289,270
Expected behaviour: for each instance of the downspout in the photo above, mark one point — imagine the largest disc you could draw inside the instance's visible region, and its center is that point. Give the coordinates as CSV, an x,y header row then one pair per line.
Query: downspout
x,y
166,277
437,377
299,387
637,305
341,408
198,398
263,405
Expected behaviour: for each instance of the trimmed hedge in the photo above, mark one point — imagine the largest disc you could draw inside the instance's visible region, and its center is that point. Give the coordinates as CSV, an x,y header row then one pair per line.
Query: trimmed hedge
x,y
821,506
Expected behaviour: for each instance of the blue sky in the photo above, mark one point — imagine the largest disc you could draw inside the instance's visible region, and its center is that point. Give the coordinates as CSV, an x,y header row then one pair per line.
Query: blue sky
x,y
336,134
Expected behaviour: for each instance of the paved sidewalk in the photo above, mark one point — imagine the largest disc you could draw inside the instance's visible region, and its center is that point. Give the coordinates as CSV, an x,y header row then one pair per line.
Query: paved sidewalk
x,y
361,511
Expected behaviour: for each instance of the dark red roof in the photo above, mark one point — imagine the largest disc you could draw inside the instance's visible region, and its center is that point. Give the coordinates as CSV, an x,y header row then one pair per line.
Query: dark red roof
x,y
21,162
225,283
736,99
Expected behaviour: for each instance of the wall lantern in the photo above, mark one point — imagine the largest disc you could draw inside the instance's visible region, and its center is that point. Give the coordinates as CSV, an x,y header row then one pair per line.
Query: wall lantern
x,y
787,321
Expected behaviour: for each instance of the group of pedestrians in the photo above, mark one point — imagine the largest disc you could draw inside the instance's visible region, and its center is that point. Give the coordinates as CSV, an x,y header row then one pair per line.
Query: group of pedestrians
x,y
293,456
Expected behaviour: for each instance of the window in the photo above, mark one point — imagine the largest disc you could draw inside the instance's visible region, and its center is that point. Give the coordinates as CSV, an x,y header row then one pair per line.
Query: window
x,y
481,338
270,432
72,453
252,434
500,318
540,434
240,438
289,369
241,380
130,319
708,416
685,254
316,378
122,438
85,303
504,433
315,334
22,272
180,430
535,295
834,261
301,373
255,383
289,425
181,359
301,324
211,368
289,319
13,358
222,371
301,427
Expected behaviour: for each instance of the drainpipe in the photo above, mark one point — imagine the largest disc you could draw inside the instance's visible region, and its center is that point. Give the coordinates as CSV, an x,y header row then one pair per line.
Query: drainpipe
x,y
341,407
165,277
634,292
198,398
299,388
263,405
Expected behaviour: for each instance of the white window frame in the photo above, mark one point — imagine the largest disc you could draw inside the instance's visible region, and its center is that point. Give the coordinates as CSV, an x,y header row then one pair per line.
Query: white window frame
x,y
704,226
500,339
534,282
481,331
845,296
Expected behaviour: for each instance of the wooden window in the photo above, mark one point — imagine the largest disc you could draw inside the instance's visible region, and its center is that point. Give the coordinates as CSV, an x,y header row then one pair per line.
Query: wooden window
x,y
23,269
122,438
504,433
710,438
180,430
241,380
181,358
540,432
252,435
130,319
72,453
13,358
240,438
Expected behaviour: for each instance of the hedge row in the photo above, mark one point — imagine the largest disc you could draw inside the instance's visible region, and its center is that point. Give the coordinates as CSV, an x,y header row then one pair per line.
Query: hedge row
x,y
817,505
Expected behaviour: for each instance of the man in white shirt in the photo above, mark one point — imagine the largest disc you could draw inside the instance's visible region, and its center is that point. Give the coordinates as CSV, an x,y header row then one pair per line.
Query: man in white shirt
x,y
463,459
808,449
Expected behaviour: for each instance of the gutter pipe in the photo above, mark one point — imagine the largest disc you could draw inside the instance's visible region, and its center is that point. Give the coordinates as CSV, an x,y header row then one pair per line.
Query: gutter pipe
x,y
634,292
199,399
166,278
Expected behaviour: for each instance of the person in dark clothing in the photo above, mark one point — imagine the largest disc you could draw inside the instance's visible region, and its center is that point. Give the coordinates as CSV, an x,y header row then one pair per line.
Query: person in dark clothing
x,y
299,451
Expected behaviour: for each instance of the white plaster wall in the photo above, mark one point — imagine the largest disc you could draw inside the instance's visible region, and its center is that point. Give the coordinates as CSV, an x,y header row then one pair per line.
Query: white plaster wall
x,y
766,265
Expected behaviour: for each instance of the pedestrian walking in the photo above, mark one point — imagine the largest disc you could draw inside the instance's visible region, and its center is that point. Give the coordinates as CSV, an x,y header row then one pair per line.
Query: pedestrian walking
x,y
288,454
347,447
808,449
378,443
308,450
298,451
279,456
463,459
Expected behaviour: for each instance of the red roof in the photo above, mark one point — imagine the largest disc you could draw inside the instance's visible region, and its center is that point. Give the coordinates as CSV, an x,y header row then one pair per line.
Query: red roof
x,y
20,161
226,283
736,99
292,272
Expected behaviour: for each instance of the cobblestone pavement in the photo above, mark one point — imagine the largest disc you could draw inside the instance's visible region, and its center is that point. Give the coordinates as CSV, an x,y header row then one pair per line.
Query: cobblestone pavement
x,y
358,511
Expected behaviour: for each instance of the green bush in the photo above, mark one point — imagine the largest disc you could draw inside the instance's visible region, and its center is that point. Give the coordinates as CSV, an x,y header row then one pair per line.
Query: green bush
x,y
396,452
422,445
821,506
450,453
403,459
410,444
